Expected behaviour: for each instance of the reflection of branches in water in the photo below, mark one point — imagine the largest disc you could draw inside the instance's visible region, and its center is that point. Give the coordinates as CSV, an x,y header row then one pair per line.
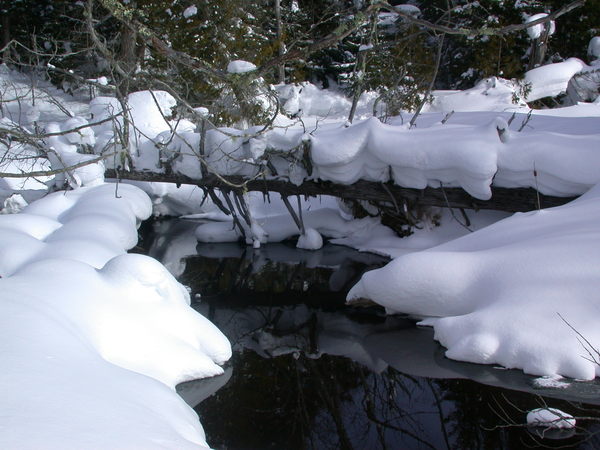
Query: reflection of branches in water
x,y
332,395
438,404
548,436
376,413
255,275
495,418
398,395
334,402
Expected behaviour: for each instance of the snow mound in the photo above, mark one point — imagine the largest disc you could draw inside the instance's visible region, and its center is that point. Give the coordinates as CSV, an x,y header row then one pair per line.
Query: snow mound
x,y
306,100
112,330
510,294
310,240
490,94
374,151
552,79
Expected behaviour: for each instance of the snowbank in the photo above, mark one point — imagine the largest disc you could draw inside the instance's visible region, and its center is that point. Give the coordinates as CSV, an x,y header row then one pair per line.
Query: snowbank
x,y
467,156
556,157
552,79
307,100
94,340
499,295
498,94
490,94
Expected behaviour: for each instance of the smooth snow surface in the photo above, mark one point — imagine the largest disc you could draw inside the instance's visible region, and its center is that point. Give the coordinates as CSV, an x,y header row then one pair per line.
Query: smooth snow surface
x,y
552,79
94,340
550,418
310,240
509,293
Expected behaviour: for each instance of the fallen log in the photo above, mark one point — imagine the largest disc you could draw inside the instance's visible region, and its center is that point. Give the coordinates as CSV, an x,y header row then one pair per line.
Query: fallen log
x,y
503,199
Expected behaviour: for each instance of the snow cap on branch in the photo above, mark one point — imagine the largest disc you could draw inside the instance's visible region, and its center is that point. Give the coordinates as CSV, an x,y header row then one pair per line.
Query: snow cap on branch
x,y
536,31
240,66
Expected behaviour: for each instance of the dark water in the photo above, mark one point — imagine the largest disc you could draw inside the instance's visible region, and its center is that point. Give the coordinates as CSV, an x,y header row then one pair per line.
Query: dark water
x,y
308,372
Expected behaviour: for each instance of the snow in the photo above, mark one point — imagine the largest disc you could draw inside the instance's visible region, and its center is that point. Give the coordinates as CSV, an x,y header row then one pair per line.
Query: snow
x,y
190,11
113,333
594,48
472,151
552,382
307,100
550,418
240,66
417,158
535,31
279,227
552,79
13,204
507,294
492,93
408,9
310,240
383,241
498,94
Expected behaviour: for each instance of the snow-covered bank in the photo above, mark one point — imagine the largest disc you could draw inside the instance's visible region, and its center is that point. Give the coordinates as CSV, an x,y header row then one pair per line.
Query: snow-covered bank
x,y
509,293
554,160
94,340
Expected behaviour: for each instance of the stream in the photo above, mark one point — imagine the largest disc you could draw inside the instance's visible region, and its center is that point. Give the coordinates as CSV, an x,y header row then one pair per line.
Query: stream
x,y
309,372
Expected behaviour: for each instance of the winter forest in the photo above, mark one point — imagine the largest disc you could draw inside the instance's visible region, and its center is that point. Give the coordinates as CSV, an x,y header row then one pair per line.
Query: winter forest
x,y
299,224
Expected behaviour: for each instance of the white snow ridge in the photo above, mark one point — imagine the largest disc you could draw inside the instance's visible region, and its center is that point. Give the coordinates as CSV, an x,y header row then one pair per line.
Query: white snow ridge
x,y
94,338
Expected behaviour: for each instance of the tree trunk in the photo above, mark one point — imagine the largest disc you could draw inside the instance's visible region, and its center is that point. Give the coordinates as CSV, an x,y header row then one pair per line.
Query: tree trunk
x,y
281,50
503,199
5,38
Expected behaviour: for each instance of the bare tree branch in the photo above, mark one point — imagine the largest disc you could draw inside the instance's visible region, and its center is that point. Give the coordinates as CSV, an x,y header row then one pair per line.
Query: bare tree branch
x,y
47,173
483,31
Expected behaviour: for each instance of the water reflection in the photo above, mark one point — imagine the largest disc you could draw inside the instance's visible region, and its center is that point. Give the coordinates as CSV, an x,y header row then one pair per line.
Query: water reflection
x,y
308,378
308,373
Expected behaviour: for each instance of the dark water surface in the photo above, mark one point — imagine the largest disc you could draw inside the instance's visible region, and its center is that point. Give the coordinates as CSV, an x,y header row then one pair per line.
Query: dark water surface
x,y
308,372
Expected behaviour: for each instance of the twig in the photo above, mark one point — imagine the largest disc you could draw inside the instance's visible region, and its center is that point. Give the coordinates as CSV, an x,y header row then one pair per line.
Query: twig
x,y
451,210
47,173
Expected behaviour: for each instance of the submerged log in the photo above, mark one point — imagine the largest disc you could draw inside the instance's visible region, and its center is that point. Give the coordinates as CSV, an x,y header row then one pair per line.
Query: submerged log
x,y
503,199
